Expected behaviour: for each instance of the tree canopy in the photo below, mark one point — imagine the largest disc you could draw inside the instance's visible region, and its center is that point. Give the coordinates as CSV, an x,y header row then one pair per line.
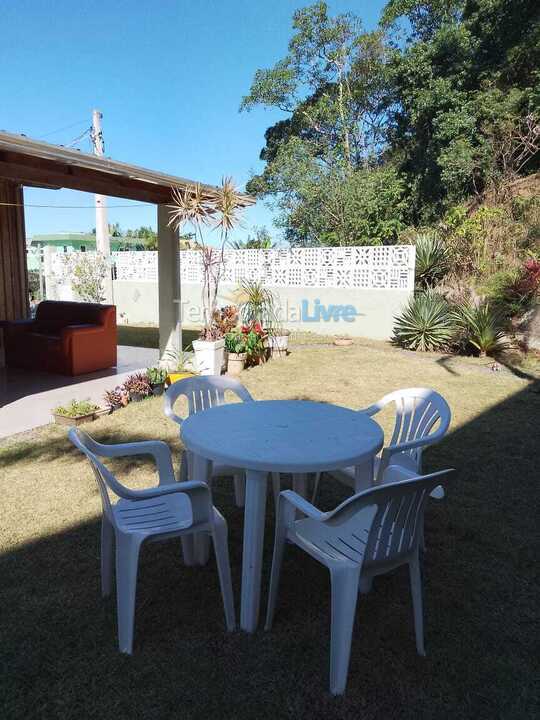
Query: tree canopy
x,y
390,128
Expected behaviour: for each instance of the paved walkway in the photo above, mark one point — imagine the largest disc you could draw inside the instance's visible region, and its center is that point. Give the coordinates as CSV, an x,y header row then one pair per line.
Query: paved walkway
x,y
27,397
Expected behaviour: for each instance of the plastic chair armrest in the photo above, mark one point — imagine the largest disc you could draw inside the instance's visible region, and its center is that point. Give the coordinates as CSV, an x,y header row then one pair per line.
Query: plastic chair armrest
x,y
157,449
300,503
169,412
371,410
199,495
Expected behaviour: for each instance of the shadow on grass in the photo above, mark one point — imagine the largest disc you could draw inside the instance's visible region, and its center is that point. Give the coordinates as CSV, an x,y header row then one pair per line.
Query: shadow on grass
x,y
59,637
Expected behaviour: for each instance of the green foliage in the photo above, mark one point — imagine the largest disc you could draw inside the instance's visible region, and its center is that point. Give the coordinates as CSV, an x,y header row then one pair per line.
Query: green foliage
x,y
431,260
88,272
426,324
256,304
75,408
260,240
483,328
235,342
156,375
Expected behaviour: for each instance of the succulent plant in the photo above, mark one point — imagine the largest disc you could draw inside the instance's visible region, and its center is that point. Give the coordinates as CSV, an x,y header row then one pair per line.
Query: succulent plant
x,y
138,384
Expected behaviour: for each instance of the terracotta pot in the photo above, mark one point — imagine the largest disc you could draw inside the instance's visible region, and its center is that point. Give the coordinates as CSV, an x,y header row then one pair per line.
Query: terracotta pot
x,y
343,341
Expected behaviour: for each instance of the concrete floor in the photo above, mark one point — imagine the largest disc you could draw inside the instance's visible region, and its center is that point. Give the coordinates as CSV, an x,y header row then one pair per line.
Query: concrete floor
x,y
27,397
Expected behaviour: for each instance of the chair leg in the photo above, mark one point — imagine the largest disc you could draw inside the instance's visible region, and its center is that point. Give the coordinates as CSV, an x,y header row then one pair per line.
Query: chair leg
x,y
276,488
107,557
188,549
316,484
184,470
415,575
127,561
344,596
221,548
240,490
277,561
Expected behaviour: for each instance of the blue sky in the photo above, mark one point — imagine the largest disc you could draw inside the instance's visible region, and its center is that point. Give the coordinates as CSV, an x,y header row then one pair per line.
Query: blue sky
x,y
168,77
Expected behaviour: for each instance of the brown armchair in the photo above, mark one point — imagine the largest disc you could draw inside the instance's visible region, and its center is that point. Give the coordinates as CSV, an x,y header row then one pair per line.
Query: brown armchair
x,y
69,338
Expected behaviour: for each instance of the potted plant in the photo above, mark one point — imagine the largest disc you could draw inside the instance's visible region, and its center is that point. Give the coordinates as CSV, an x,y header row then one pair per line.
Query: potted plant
x,y
221,210
175,365
156,377
235,346
278,341
138,387
116,398
255,340
76,412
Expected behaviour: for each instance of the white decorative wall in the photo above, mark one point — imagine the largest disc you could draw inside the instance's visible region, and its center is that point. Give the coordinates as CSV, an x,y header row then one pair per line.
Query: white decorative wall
x,y
371,268
376,281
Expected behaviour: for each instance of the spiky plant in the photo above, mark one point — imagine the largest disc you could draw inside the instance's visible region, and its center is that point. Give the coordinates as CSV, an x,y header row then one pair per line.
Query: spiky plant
x,y
221,210
483,328
427,323
431,260
256,303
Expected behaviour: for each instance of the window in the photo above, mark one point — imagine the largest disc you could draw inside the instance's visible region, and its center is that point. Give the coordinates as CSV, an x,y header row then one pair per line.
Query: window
x,y
83,248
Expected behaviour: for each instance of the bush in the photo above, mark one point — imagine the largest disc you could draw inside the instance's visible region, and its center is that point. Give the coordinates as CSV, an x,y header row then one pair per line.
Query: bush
x,y
431,260
513,292
483,328
427,323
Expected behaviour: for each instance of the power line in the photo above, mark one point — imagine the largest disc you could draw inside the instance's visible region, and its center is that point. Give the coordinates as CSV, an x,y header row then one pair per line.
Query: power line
x,y
74,207
67,127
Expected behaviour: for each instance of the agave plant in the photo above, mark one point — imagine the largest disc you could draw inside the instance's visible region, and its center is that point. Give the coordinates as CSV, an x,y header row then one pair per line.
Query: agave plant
x,y
483,328
427,323
431,260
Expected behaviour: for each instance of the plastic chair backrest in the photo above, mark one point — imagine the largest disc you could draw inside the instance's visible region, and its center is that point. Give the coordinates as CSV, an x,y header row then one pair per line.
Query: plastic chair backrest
x,y
398,521
104,477
418,410
202,393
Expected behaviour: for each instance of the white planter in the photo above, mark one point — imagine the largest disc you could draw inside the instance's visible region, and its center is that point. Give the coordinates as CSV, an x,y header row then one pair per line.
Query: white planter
x,y
208,356
278,345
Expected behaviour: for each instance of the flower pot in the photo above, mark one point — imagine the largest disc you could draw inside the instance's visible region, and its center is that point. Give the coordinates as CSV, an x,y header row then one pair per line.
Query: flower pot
x,y
235,363
279,344
173,377
77,420
136,397
343,341
157,389
209,356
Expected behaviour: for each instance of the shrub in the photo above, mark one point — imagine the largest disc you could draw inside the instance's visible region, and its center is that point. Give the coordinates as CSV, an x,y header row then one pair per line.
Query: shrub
x,y
235,342
483,328
138,384
512,292
427,323
431,260
156,375
75,408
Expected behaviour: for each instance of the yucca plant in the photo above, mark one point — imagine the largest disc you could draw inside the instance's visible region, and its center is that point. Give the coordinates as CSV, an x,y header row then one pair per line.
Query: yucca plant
x,y
427,323
483,328
257,304
431,260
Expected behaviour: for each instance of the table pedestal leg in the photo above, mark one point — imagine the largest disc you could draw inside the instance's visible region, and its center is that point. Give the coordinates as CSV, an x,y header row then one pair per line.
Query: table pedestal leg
x,y
300,484
253,548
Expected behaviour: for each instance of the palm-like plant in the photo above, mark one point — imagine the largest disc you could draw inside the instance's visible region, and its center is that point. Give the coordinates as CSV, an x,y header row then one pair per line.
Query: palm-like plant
x,y
220,210
427,323
483,328
431,260
256,304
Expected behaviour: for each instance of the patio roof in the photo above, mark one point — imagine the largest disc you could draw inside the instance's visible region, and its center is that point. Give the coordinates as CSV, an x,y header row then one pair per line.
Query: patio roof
x,y
38,164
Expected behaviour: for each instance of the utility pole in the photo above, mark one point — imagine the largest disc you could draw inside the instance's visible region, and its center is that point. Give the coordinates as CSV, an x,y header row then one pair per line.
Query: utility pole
x,y
103,244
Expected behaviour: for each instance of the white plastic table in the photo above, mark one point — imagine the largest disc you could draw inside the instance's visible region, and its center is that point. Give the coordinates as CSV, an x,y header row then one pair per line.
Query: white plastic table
x,y
292,436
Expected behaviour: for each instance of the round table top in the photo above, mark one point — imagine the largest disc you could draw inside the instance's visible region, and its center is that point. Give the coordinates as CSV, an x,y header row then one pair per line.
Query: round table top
x,y
293,436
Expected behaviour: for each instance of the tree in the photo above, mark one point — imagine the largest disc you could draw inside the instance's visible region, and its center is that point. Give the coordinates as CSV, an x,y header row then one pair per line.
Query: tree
x,y
260,240
332,86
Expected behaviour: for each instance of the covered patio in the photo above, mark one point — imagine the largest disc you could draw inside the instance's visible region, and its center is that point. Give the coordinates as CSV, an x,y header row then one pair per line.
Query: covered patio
x,y
31,163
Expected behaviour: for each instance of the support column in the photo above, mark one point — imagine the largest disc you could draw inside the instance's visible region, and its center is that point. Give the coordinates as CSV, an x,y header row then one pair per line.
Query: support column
x,y
13,270
170,328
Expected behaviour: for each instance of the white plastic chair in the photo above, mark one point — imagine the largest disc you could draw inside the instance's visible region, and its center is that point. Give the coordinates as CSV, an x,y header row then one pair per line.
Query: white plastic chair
x,y
204,392
422,418
170,509
369,534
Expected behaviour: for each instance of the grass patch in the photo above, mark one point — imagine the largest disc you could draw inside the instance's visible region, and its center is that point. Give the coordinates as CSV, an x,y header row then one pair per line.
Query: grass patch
x,y
147,336
59,637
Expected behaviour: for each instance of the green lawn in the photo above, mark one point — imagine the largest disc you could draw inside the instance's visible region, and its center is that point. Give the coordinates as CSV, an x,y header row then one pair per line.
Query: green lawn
x,y
58,644
147,336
